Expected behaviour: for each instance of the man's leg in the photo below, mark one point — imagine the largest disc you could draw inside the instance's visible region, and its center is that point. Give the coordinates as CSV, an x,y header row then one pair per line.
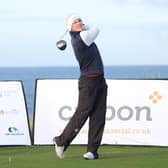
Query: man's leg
x,y
97,120
85,106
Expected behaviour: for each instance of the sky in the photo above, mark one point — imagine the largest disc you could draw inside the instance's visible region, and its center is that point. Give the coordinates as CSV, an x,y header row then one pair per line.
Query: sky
x,y
132,32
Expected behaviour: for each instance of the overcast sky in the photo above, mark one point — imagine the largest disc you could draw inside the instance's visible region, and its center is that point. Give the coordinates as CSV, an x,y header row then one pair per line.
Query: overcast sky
x,y
132,32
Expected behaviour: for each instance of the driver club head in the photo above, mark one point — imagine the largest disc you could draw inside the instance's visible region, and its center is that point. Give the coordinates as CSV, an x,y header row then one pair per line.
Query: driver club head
x,y
61,44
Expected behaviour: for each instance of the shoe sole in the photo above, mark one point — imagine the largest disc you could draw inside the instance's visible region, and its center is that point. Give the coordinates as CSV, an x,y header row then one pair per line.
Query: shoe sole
x,y
90,159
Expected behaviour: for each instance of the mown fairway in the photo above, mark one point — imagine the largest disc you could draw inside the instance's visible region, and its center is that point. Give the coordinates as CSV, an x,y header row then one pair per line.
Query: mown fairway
x,y
110,157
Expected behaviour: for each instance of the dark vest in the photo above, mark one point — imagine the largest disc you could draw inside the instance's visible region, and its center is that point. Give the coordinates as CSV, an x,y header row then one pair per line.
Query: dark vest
x,y
88,57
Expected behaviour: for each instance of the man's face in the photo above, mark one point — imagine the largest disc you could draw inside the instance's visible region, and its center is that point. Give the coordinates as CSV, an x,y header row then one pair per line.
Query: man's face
x,y
77,25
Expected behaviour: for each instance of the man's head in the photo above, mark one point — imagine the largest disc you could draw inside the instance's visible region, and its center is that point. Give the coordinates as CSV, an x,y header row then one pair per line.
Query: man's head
x,y
74,23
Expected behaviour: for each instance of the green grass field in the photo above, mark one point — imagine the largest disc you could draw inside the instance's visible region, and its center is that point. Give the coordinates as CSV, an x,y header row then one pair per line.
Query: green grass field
x,y
110,157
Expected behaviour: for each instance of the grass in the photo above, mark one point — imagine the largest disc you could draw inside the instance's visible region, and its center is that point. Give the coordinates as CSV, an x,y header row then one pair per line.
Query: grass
x,y
110,156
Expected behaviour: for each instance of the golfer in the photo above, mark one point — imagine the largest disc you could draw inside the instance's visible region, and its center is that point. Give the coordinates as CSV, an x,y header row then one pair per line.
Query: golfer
x,y
92,90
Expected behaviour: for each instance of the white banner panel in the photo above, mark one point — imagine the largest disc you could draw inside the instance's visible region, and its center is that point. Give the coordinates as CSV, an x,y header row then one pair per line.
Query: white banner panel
x,y
136,111
14,129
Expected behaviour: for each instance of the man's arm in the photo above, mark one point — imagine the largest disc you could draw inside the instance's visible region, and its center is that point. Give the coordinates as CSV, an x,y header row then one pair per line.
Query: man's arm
x,y
89,34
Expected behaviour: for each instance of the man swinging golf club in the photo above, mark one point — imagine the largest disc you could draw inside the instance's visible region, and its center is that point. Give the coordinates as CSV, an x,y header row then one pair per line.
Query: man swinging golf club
x,y
92,90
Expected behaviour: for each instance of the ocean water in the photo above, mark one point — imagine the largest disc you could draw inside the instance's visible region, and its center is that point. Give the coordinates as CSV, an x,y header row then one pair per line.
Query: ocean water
x,y
28,76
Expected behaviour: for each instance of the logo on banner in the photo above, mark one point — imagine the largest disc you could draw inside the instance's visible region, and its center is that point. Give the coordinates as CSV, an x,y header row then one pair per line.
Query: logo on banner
x,y
155,97
8,112
123,113
13,131
6,93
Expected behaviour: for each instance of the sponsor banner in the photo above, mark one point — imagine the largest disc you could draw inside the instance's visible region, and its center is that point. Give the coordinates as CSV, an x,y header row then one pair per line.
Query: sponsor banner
x,y
14,129
136,111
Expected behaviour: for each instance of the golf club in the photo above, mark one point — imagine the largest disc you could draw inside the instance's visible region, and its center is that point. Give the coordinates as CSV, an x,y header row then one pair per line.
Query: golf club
x,y
61,44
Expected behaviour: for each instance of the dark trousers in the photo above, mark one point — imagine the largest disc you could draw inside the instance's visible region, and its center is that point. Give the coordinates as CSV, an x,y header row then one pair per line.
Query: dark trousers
x,y
92,104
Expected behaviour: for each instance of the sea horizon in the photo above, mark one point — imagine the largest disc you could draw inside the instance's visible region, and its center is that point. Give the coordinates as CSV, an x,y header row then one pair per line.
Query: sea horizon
x,y
76,66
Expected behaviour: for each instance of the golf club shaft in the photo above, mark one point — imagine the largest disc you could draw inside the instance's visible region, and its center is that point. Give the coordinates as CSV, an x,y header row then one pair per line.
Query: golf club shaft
x,y
63,35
